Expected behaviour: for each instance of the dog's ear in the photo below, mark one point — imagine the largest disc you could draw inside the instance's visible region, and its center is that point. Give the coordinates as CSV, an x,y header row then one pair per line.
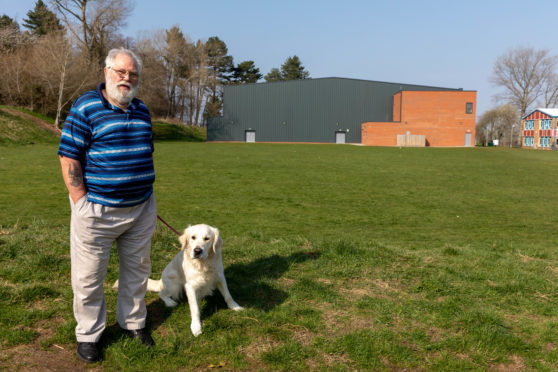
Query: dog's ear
x,y
184,238
217,242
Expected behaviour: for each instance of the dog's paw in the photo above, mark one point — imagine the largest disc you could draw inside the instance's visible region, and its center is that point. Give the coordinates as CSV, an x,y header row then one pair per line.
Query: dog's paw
x,y
196,328
233,305
169,302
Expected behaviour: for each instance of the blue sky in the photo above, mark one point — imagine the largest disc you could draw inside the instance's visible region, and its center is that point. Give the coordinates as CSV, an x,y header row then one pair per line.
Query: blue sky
x,y
430,42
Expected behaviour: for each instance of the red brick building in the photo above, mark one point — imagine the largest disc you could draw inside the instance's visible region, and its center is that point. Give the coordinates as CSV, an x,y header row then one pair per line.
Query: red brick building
x,y
426,118
539,129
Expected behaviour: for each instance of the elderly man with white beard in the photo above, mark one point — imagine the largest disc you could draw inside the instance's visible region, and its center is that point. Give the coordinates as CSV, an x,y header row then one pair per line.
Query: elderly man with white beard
x,y
106,155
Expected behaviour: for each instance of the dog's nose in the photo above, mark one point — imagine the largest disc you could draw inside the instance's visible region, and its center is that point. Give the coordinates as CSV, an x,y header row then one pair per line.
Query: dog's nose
x,y
197,252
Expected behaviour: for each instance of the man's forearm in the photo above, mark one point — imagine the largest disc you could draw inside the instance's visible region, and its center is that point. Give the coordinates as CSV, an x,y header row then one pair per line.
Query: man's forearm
x,y
73,177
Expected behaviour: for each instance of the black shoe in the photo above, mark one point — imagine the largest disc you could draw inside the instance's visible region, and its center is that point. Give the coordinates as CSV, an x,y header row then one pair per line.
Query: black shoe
x,y
140,334
88,351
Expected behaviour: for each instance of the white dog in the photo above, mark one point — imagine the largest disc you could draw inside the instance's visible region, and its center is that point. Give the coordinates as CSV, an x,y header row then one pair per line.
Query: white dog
x,y
197,269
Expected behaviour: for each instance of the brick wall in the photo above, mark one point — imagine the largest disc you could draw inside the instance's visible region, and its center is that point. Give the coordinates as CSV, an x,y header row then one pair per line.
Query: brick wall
x,y
439,115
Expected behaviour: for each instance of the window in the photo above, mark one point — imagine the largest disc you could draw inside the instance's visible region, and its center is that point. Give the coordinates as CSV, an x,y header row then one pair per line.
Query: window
x,y
469,108
529,124
545,141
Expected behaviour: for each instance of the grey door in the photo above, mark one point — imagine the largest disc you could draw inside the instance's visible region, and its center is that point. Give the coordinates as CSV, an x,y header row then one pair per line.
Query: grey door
x,y
467,139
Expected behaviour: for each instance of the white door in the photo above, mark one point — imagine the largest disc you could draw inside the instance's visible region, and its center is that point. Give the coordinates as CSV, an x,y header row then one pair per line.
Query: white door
x,y
340,137
250,136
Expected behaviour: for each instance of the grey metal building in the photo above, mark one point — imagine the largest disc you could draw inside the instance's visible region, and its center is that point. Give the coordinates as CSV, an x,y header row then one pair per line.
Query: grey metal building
x,y
312,110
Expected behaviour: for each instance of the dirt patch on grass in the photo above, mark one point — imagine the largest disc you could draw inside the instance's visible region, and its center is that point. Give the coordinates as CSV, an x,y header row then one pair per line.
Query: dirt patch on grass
x,y
257,347
34,357
515,364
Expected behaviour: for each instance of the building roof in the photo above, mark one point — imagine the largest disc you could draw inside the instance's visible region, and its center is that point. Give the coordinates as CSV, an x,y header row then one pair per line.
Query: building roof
x,y
299,81
553,112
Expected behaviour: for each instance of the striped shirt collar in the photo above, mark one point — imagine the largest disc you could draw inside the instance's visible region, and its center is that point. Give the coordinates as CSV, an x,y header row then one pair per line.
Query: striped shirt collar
x,y
131,106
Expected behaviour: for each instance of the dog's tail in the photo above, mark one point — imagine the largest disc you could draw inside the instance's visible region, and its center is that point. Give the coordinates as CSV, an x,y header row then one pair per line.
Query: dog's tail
x,y
152,285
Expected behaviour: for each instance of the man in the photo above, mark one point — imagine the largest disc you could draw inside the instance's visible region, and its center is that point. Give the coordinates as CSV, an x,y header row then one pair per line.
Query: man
x,y
107,164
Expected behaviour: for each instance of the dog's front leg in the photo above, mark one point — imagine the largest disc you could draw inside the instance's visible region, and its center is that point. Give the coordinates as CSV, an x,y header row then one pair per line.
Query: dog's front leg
x,y
222,287
195,326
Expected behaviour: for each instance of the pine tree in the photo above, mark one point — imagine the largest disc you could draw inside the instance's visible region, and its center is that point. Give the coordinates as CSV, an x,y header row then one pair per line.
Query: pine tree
x,y
41,20
274,75
246,72
219,62
221,69
293,69
7,22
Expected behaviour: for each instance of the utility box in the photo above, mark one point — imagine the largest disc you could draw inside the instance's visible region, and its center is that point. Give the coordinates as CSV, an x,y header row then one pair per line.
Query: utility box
x,y
411,140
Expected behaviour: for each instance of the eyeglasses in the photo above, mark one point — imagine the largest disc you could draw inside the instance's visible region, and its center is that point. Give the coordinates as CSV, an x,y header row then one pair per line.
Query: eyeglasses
x,y
122,74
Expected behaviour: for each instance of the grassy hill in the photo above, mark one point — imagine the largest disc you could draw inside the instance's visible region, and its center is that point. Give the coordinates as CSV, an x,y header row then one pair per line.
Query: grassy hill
x,y
24,127
164,131
17,128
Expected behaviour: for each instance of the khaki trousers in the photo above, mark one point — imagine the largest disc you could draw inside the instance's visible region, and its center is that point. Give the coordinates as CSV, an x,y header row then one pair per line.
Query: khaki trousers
x,y
93,230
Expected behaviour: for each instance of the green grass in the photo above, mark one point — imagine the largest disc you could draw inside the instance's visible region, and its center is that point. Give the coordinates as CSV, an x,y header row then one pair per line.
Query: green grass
x,y
16,131
163,131
344,257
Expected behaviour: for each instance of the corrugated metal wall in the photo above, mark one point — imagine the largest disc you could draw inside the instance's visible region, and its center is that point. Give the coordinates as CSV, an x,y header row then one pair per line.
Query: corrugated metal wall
x,y
310,110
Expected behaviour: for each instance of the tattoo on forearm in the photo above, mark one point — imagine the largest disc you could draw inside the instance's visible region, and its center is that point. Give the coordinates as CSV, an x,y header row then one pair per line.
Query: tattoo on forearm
x,y
76,178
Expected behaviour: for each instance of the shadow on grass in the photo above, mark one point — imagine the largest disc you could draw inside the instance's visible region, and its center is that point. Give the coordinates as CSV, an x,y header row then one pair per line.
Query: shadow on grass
x,y
249,283
246,283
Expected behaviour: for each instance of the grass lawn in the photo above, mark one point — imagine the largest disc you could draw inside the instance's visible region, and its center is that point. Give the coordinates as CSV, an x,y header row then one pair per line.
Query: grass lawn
x,y
345,258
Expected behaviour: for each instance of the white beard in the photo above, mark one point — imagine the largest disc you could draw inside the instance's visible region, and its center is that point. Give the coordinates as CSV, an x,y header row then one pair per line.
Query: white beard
x,y
123,98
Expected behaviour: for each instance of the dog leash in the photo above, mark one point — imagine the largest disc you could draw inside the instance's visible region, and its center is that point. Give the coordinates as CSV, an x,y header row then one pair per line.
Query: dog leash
x,y
169,226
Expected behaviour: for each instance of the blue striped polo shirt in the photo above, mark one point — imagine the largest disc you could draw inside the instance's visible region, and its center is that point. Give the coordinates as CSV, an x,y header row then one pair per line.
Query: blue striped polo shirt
x,y
115,149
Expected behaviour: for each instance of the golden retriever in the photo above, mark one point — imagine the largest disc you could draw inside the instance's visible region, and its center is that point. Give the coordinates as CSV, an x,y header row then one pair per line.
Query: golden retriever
x,y
197,269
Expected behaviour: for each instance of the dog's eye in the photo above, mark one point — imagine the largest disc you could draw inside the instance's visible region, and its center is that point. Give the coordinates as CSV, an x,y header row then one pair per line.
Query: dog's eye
x,y
206,238
193,237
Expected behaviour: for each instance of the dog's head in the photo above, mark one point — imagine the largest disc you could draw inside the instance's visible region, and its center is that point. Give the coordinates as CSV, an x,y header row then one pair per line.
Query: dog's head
x,y
200,241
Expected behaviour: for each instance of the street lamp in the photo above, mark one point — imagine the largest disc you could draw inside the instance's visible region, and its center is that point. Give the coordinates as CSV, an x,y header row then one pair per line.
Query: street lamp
x,y
511,134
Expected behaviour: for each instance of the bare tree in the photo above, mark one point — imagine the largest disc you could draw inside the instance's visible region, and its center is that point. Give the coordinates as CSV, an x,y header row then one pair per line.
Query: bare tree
x,y
61,72
197,81
498,124
93,22
187,76
15,82
11,39
550,94
524,74
152,91
174,56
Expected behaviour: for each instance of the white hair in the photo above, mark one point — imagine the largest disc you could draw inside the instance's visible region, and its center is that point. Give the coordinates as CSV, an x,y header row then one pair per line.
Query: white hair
x,y
111,56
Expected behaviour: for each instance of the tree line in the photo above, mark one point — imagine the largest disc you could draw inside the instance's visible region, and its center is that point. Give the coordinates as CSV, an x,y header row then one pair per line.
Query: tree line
x,y
528,78
58,53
